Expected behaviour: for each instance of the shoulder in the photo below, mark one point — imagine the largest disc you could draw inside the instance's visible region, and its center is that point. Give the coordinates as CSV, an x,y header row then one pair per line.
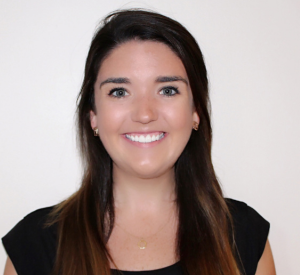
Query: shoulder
x,y
245,218
37,217
250,234
31,227
31,244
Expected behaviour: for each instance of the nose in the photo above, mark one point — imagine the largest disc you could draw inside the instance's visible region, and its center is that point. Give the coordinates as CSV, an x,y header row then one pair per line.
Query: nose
x,y
144,109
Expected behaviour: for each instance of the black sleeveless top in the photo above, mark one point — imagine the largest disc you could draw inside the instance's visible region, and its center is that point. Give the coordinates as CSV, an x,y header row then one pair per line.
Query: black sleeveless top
x,y
32,247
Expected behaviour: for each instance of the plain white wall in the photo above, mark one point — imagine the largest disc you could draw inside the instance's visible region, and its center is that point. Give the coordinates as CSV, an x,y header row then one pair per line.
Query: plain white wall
x,y
252,53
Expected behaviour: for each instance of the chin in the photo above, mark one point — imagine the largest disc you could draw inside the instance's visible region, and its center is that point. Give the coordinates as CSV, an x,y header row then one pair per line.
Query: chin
x,y
151,172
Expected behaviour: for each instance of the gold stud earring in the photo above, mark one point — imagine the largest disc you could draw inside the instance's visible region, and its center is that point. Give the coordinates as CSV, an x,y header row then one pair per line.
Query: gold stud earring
x,y
195,125
96,131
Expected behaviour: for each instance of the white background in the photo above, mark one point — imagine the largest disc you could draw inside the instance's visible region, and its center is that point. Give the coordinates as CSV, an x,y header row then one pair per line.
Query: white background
x,y
252,51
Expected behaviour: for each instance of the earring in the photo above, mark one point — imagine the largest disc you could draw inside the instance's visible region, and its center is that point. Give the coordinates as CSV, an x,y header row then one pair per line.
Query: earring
x,y
195,125
96,131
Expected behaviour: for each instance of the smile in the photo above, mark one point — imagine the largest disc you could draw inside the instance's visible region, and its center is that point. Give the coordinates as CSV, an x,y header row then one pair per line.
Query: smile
x,y
145,138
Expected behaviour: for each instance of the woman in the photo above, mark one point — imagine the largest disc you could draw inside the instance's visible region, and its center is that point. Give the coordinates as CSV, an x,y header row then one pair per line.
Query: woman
x,y
149,202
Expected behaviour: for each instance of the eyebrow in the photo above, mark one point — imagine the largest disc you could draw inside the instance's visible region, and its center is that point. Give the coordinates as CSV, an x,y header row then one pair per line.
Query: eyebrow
x,y
117,80
160,79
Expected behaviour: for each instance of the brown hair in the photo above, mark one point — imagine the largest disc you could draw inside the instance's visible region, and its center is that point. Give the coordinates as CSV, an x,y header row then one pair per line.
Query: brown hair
x,y
204,240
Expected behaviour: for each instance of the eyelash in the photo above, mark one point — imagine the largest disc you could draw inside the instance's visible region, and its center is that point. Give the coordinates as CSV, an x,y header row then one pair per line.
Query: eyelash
x,y
172,88
116,90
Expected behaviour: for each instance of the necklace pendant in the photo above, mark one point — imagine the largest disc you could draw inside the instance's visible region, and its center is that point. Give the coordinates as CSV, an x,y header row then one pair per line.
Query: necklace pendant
x,y
142,244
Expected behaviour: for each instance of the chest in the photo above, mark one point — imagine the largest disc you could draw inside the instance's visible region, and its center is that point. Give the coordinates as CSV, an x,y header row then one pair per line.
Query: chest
x,y
137,252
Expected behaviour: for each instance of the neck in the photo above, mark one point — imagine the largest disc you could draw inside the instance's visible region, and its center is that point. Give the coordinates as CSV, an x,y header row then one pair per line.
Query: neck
x,y
143,194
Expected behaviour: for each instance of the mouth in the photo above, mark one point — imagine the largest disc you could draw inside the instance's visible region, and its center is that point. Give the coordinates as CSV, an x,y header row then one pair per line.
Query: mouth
x,y
145,138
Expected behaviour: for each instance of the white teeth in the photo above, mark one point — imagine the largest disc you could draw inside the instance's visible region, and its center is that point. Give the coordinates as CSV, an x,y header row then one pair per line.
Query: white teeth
x,y
145,139
142,139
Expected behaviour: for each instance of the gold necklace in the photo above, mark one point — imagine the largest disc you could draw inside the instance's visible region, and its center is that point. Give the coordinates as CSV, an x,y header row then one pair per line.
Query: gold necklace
x,y
142,243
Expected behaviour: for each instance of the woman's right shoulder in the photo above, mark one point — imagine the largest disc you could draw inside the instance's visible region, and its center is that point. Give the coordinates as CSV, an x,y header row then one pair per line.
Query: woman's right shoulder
x,y
31,243
38,216
33,223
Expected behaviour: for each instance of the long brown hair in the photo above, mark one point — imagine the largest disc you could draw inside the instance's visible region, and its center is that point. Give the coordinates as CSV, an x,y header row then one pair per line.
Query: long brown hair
x,y
204,238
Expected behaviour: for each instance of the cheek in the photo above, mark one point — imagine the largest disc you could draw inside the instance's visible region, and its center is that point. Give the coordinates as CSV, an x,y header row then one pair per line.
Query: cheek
x,y
109,120
179,117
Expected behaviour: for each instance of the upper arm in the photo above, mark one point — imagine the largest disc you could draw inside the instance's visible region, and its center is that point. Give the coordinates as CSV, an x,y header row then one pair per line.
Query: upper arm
x,y
266,264
9,268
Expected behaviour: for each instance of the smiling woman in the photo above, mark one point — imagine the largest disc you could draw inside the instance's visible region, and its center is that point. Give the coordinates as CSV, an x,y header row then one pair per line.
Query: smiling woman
x,y
149,202
142,92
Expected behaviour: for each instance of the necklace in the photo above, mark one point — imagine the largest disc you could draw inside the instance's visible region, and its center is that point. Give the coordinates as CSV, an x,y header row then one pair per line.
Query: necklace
x,y
142,243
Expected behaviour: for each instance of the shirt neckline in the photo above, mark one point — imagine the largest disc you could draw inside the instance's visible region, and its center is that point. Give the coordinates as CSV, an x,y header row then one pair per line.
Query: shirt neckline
x,y
166,268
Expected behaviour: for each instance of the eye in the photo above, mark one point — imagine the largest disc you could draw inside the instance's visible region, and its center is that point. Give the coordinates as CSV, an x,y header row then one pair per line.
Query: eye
x,y
118,92
169,91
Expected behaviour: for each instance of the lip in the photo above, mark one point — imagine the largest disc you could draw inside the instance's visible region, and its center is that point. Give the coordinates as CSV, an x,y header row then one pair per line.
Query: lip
x,y
144,133
144,145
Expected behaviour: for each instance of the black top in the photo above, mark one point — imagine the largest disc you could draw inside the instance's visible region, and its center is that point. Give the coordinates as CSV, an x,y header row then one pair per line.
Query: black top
x,y
32,247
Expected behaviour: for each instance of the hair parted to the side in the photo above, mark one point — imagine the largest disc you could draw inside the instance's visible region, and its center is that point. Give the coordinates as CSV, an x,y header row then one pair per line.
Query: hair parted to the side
x,y
86,219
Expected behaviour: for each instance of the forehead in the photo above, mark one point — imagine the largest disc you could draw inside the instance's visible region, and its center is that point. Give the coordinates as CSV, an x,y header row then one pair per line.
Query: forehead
x,y
142,59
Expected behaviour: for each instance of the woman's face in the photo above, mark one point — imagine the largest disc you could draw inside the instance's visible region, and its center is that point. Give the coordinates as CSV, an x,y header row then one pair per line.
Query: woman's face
x,y
144,108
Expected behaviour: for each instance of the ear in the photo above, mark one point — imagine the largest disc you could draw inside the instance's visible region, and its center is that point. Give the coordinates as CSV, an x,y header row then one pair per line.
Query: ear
x,y
196,117
93,119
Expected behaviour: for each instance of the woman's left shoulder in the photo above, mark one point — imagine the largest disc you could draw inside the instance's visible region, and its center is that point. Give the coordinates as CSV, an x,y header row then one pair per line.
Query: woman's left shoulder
x,y
246,217
250,233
